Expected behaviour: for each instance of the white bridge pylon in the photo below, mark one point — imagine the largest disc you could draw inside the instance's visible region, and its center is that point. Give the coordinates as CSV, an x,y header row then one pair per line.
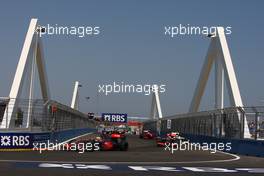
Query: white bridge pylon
x,y
31,56
155,111
75,96
219,54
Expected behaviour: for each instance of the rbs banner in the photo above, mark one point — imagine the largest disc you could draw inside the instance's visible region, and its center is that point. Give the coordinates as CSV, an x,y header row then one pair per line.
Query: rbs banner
x,y
18,140
113,117
15,140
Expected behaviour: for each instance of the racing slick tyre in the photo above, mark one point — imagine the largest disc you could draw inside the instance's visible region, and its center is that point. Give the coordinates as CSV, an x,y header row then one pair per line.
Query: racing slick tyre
x,y
123,146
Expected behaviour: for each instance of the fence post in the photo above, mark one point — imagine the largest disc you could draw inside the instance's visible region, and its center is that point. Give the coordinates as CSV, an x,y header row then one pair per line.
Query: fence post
x,y
242,121
243,125
7,113
256,125
214,126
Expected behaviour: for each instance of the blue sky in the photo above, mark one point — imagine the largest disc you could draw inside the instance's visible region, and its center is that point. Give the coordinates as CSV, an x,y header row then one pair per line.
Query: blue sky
x,y
132,48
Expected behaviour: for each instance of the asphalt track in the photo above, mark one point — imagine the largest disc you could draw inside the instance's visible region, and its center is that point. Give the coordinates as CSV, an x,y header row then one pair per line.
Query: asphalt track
x,y
142,158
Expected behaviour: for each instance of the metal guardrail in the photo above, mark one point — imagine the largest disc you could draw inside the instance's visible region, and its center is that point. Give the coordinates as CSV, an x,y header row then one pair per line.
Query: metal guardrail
x,y
44,116
218,123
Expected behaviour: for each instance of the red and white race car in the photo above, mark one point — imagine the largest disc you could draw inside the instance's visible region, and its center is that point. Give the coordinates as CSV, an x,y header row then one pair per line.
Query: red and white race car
x,y
104,142
114,141
147,134
171,138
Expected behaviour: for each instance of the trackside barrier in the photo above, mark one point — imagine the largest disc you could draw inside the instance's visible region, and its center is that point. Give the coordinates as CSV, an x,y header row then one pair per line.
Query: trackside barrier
x,y
239,146
61,136
25,140
221,125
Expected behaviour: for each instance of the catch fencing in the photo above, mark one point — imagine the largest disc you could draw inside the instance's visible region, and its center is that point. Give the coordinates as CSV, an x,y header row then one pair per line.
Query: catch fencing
x,y
41,116
227,122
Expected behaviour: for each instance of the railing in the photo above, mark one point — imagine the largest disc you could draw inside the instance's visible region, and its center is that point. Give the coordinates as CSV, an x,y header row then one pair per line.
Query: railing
x,y
37,115
228,122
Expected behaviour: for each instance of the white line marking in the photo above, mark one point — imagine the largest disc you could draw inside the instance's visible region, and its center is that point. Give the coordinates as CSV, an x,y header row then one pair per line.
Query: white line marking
x,y
236,157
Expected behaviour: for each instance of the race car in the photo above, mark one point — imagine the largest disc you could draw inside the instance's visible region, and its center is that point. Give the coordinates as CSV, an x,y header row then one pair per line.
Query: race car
x,y
171,138
106,141
147,134
114,141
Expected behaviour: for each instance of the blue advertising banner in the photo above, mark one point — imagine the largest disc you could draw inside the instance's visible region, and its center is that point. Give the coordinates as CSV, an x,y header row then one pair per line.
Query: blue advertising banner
x,y
114,117
28,140
15,140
